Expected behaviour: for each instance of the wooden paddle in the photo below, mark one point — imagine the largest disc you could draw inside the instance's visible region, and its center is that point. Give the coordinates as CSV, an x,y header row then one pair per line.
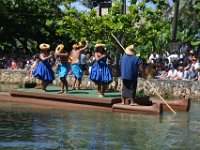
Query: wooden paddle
x,y
161,98
147,80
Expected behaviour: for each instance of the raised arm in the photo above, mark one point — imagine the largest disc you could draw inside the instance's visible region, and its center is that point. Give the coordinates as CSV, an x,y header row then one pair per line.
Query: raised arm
x,y
86,46
63,54
98,58
42,57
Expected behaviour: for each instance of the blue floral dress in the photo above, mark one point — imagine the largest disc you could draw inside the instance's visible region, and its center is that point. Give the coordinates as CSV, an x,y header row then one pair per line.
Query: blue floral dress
x,y
44,71
100,73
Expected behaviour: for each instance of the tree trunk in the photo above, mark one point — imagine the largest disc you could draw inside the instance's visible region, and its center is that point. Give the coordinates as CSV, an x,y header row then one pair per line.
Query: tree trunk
x,y
174,29
123,7
116,70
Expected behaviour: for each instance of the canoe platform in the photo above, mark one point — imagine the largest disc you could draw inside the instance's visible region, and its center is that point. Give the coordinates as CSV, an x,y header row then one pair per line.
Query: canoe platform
x,y
86,97
178,105
154,109
75,96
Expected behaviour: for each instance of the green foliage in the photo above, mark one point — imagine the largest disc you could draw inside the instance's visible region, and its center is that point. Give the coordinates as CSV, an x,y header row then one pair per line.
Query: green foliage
x,y
29,22
140,94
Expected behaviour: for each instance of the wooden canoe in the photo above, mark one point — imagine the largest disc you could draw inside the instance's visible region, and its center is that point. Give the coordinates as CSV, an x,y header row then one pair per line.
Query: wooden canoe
x,y
178,105
153,109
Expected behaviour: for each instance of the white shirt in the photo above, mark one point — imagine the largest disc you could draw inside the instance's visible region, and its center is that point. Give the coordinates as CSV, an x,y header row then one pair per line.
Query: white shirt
x,y
173,57
172,73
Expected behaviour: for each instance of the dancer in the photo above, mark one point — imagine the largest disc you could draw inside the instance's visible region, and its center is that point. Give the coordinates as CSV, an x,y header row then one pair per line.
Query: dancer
x,y
76,65
130,65
63,67
100,73
44,71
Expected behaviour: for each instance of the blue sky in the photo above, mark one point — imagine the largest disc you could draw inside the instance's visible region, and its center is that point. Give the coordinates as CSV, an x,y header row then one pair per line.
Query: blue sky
x,y
82,8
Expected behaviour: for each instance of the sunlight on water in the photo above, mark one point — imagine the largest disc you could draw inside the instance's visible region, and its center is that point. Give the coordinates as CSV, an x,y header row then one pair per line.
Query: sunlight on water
x,y
25,126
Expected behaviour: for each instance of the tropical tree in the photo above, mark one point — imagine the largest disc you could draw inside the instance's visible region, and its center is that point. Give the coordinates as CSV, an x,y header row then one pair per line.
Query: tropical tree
x,y
26,23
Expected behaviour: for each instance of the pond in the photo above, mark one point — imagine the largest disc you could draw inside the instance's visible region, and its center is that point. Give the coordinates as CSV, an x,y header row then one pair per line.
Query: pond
x,y
31,126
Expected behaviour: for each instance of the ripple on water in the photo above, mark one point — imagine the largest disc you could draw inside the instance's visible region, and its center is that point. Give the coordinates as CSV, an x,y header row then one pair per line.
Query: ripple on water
x,y
44,128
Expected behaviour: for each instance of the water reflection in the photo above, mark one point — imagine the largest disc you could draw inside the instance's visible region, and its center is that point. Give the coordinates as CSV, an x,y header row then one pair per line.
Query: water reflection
x,y
33,127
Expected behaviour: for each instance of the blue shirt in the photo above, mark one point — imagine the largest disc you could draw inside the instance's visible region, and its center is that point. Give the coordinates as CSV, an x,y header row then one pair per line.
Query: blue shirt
x,y
129,67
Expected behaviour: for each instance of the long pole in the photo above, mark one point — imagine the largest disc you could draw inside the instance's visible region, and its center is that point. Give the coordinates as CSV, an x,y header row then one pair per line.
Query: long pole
x,y
118,41
161,98
147,80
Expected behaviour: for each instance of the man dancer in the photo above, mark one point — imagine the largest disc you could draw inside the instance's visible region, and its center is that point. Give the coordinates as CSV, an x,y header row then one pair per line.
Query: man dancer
x,y
76,64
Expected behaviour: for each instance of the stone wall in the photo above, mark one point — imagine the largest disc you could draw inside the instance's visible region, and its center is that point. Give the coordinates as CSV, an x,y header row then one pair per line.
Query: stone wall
x,y
166,88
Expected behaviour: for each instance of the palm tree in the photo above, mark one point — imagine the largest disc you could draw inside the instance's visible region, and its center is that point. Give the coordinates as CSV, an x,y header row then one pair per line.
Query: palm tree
x,y
174,29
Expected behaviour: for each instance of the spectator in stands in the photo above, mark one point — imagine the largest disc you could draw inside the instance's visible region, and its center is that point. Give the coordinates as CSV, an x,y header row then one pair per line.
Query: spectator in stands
x,y
179,74
193,74
191,55
28,65
83,61
159,72
173,56
172,72
150,71
34,65
13,64
186,74
20,63
89,61
188,65
152,58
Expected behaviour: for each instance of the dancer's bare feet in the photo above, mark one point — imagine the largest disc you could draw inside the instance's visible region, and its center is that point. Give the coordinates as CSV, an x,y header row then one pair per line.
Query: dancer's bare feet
x,y
61,91
44,90
133,103
100,95
123,103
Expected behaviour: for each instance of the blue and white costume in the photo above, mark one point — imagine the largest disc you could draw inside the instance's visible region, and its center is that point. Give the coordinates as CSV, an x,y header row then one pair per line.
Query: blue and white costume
x,y
77,70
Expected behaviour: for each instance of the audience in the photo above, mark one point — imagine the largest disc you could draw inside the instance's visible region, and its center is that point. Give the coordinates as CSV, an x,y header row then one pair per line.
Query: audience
x,y
178,65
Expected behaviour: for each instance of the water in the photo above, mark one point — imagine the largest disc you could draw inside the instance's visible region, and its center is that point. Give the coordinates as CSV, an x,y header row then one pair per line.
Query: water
x,y
31,127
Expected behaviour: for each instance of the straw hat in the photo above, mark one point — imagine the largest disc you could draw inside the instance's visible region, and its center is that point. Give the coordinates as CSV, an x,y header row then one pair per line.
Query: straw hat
x,y
76,46
130,50
100,45
44,46
59,49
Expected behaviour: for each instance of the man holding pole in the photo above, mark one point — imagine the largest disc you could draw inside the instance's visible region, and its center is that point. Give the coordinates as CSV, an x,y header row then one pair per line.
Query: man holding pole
x,y
130,66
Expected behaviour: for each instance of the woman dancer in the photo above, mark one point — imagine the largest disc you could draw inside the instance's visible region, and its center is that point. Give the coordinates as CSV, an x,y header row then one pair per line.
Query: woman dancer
x,y
44,71
63,67
100,73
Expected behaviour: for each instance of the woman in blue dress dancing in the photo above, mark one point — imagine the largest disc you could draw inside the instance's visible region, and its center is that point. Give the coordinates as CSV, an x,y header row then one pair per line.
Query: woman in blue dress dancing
x,y
100,72
44,71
